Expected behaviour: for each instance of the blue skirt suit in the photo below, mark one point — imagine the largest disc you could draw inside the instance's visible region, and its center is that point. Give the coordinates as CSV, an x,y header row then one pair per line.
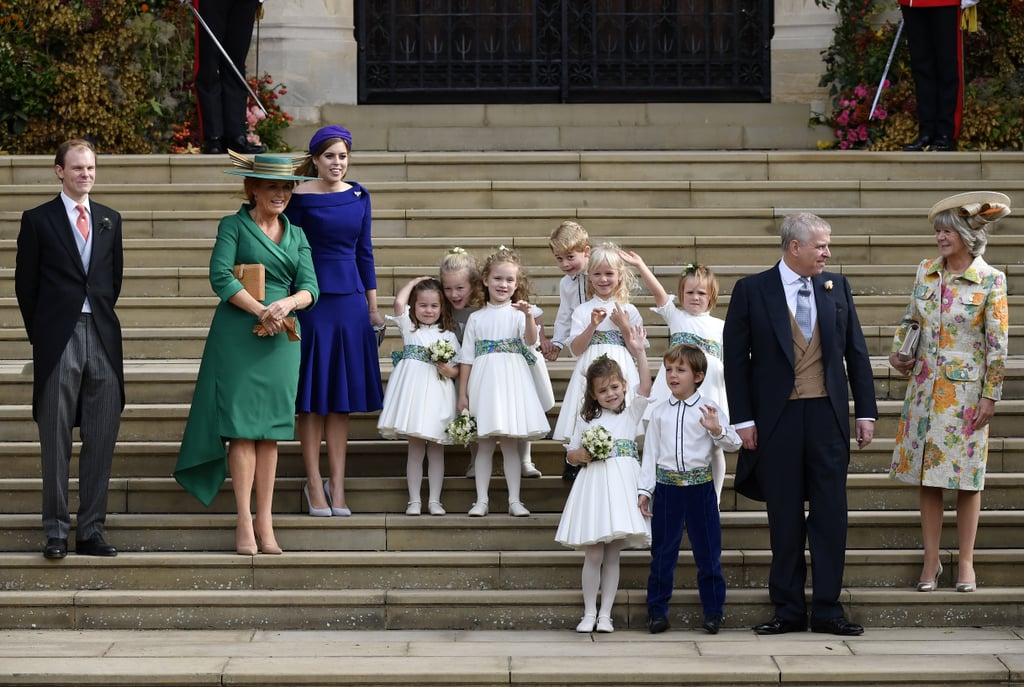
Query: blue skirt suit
x,y
339,371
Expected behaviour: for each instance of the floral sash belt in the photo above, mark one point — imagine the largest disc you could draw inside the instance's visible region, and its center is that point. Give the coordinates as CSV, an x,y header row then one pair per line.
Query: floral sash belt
x,y
485,346
613,338
687,478
707,345
411,352
625,447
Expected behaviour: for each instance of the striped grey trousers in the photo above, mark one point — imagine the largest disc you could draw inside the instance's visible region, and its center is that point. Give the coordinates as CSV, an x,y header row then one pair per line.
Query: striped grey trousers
x,y
84,381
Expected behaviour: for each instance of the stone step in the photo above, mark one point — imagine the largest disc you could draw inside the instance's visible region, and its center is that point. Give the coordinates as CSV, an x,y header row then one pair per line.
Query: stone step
x,y
946,171
166,421
945,654
450,570
389,494
865,280
602,221
713,251
415,609
171,312
383,458
376,531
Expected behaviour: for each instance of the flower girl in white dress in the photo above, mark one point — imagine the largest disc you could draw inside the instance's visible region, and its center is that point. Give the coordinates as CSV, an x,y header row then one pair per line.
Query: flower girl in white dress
x,y
600,327
495,382
601,515
420,398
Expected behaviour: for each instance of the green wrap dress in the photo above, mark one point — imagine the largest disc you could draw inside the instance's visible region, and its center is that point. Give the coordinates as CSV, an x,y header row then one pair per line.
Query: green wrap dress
x,y
247,383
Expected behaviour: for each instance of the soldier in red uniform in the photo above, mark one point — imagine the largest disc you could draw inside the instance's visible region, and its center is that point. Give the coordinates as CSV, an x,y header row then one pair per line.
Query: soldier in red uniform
x,y
936,60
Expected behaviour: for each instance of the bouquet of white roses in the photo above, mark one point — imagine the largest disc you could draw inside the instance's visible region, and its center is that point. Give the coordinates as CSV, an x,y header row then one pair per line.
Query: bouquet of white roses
x,y
462,430
441,351
597,441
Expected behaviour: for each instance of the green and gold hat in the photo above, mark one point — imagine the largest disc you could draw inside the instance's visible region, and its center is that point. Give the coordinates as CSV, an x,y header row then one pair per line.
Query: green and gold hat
x,y
280,167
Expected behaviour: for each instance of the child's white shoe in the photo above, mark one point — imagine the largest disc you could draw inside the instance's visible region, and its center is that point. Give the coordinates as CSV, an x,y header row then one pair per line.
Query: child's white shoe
x,y
530,470
587,623
413,508
436,508
604,624
478,510
517,509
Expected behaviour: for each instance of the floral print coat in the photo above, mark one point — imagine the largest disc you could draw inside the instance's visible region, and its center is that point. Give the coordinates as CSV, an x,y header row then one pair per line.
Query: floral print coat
x,y
961,359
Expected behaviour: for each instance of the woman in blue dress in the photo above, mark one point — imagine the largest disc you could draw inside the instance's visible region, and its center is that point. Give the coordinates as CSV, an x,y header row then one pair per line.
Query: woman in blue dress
x,y
340,370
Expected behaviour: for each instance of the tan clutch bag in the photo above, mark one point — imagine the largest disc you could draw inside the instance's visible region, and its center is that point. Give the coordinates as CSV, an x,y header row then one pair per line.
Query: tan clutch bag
x,y
254,279
908,351
290,329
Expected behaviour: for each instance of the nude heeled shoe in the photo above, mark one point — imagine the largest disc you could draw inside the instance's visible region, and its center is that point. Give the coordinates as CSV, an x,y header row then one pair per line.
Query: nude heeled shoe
x,y
931,585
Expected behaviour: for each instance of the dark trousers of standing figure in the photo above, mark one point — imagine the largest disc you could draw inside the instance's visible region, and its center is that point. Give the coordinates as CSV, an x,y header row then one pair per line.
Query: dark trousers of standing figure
x,y
83,380
936,61
695,508
806,459
222,97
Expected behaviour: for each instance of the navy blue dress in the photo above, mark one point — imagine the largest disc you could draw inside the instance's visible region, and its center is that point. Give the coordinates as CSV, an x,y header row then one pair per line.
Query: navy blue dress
x,y
340,370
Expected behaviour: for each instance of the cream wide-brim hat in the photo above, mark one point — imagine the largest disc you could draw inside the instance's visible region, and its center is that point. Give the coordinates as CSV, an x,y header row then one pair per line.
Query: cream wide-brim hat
x,y
987,206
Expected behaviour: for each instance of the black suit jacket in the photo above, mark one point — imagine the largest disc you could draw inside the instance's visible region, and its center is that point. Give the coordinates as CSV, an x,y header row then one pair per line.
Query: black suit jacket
x,y
51,285
758,358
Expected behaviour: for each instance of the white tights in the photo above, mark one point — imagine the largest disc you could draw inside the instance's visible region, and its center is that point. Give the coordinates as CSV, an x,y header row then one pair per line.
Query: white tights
x,y
601,572
435,468
484,462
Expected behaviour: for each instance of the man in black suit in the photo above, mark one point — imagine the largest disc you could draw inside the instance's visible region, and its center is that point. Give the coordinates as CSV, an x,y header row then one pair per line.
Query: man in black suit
x,y
788,333
67,280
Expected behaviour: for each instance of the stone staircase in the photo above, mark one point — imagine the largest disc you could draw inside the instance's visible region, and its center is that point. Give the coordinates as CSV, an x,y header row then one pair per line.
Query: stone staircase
x,y
383,570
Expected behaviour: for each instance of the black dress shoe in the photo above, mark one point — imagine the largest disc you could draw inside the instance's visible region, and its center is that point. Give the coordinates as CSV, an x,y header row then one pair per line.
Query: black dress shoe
x,y
94,546
656,624
778,626
712,623
569,472
213,146
55,548
944,144
918,144
240,144
838,626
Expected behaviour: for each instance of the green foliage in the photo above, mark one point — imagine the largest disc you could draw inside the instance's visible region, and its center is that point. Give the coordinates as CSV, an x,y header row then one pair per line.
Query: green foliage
x,y
116,71
993,67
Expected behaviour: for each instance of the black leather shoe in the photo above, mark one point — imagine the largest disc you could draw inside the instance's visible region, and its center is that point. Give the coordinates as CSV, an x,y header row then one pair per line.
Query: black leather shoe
x,y
656,624
778,626
838,626
712,623
213,146
241,145
55,548
944,144
918,144
94,546
569,472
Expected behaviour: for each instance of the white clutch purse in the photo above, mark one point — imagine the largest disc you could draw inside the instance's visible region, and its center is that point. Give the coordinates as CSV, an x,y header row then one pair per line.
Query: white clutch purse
x,y
908,350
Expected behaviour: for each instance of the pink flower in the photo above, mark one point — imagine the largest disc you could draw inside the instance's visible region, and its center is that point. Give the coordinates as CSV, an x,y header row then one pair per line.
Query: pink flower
x,y
844,118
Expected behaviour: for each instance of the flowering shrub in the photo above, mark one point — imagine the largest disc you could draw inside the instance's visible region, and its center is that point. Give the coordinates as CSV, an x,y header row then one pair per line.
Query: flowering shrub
x,y
267,128
116,71
993,116
854,124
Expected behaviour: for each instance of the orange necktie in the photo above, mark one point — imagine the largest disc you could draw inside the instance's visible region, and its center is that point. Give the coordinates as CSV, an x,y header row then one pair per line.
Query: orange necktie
x,y
83,222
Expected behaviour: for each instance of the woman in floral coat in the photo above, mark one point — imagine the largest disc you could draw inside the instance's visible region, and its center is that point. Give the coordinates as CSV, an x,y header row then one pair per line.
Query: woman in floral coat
x,y
959,301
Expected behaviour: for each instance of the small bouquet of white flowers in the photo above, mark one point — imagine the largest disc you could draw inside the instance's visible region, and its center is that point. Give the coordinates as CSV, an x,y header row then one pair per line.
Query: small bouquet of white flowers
x,y
597,441
441,351
462,430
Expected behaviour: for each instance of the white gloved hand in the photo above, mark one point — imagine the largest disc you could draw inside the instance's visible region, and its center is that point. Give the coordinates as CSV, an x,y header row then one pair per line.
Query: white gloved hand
x,y
964,4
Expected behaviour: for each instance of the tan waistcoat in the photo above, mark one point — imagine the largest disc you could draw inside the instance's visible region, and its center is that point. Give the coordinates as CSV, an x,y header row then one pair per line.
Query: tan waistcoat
x,y
810,372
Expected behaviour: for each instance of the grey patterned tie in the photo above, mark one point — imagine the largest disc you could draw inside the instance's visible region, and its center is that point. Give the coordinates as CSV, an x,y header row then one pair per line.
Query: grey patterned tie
x,y
803,307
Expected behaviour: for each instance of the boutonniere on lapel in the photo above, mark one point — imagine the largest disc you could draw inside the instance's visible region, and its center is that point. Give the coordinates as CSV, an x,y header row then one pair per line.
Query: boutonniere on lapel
x,y
828,285
105,223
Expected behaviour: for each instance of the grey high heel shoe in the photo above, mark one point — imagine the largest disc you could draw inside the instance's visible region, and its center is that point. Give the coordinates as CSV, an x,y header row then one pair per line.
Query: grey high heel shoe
x,y
932,585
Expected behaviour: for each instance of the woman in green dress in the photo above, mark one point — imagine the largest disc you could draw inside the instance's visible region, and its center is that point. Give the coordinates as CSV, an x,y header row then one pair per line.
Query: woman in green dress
x,y
245,391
